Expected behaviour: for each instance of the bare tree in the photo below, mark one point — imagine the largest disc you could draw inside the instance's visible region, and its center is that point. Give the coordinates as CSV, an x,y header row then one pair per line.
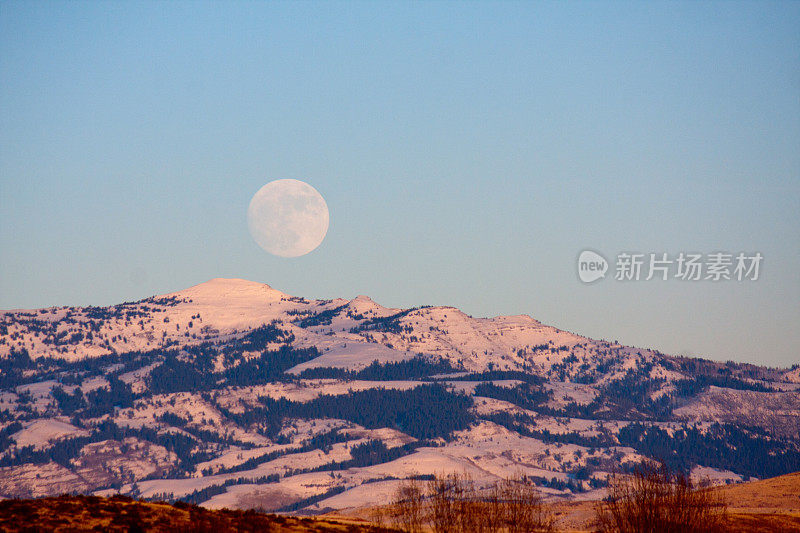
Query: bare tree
x,y
408,506
456,504
656,499
470,505
442,501
523,507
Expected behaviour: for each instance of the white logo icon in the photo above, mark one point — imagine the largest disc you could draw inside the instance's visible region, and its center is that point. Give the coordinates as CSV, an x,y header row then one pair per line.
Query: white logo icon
x,y
591,266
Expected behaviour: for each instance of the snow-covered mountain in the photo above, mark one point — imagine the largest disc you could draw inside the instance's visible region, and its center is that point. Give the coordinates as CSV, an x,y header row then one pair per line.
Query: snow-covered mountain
x,y
234,394
222,307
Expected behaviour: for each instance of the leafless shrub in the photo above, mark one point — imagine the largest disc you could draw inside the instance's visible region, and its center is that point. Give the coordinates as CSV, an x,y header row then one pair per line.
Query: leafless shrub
x,y
408,506
657,499
456,504
521,507
441,507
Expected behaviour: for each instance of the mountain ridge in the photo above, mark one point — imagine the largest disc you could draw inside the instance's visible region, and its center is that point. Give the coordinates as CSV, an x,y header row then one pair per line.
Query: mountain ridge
x,y
233,298
234,394
232,292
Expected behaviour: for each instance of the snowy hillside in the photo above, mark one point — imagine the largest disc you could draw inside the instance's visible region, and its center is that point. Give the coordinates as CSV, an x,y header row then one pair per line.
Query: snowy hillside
x,y
234,394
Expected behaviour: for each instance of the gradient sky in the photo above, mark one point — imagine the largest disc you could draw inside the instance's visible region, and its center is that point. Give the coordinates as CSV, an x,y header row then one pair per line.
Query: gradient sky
x,y
467,153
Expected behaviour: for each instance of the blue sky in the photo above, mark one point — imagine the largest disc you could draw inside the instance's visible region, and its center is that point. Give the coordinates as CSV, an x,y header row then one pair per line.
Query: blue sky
x,y
467,152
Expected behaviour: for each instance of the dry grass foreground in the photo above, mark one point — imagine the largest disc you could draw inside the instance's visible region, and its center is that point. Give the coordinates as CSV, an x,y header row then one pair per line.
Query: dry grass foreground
x,y
764,506
770,505
119,513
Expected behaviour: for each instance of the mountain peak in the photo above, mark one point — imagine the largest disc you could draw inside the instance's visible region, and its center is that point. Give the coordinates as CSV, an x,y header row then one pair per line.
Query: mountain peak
x,y
223,290
235,282
363,304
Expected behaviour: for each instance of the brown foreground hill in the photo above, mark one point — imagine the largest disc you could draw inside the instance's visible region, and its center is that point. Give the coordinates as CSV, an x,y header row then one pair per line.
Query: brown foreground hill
x,y
765,506
770,505
119,513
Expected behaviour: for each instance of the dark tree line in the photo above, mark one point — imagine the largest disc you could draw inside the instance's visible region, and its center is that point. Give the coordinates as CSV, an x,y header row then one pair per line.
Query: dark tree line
x,y
747,451
195,370
386,324
415,368
424,412
525,395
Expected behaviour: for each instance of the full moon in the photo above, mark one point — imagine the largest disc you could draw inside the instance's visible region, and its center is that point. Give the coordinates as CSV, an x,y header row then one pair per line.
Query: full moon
x,y
288,218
